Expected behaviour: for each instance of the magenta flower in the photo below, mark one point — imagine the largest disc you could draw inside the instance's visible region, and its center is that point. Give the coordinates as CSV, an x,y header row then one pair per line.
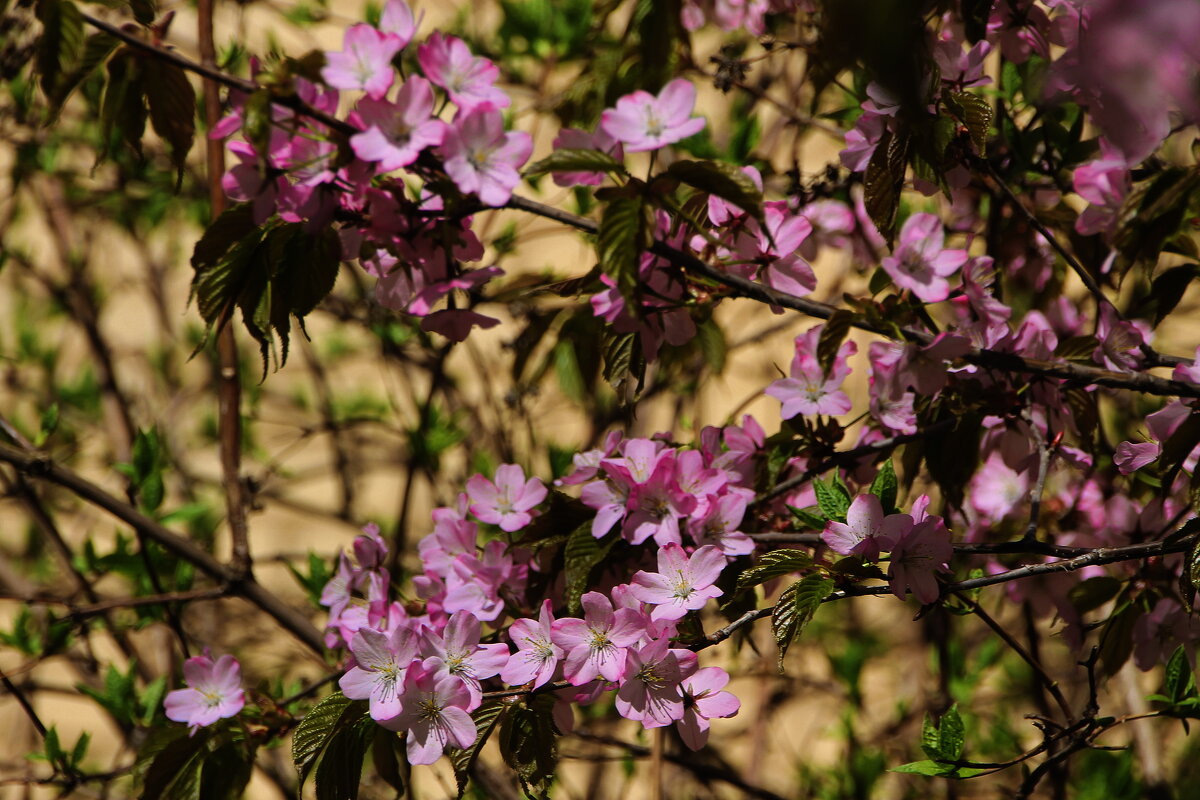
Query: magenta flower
x,y
866,530
719,526
506,502
773,249
1132,456
595,645
482,158
468,79
916,556
214,691
682,584
434,713
645,122
703,700
537,655
379,673
651,692
365,61
919,263
395,133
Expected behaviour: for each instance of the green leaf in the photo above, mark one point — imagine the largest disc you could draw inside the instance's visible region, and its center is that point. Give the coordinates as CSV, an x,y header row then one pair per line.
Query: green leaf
x,y
807,519
97,48
144,11
486,717
832,499
48,424
581,554
340,771
123,108
1178,680
386,758
945,741
1165,292
624,361
884,181
795,609
174,769
626,229
573,160
226,770
566,368
1116,638
528,741
319,725
885,486
172,102
722,180
976,113
935,769
773,565
60,48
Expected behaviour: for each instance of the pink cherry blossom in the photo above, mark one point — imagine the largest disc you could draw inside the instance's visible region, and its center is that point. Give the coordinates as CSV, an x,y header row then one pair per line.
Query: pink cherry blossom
x,y
810,390
682,583
396,133
467,78
919,263
866,530
1132,456
596,645
378,675
650,691
508,501
460,655
916,556
703,700
214,691
481,158
434,713
645,122
396,20
365,61
537,655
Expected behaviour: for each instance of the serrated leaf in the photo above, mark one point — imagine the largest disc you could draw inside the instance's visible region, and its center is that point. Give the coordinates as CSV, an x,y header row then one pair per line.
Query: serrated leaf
x,y
832,500
1077,348
123,108
339,772
173,769
172,102
623,360
528,741
808,519
97,48
486,718
386,760
581,554
833,333
575,160
1116,638
1178,680
951,734
626,227
226,771
885,487
976,113
795,609
143,11
884,181
1165,292
722,180
60,48
313,732
773,565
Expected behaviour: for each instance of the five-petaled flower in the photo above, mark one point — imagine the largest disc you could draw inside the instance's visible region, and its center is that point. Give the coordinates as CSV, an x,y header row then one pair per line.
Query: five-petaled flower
x,y
682,584
214,691
645,122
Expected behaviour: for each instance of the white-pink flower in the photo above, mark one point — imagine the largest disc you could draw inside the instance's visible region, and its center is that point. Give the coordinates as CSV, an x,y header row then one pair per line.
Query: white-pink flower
x,y
379,673
364,62
916,556
682,584
481,158
508,501
645,122
919,263
596,644
434,713
703,700
214,691
395,133
866,530
537,655
467,78
650,691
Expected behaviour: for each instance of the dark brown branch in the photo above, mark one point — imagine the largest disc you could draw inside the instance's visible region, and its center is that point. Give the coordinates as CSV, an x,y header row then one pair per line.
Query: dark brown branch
x,y
41,467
